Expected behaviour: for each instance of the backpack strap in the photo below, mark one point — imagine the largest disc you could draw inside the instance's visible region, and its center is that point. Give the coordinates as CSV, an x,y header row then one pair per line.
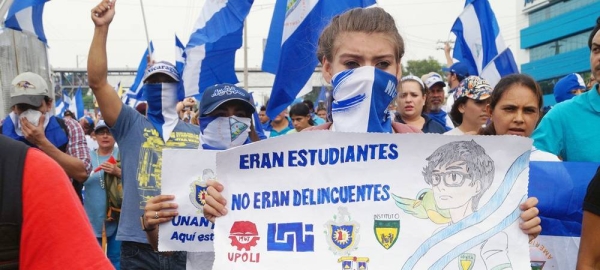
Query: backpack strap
x,y
12,162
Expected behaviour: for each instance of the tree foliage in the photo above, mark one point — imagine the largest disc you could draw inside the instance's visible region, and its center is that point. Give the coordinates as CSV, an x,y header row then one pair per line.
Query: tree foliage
x,y
421,67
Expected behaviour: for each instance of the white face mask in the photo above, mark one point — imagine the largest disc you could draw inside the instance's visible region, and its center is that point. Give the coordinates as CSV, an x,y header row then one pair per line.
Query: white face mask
x,y
224,132
33,116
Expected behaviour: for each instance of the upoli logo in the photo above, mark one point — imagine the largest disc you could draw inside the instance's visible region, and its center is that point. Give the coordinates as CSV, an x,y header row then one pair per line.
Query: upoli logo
x,y
243,235
25,85
198,190
342,233
354,263
386,228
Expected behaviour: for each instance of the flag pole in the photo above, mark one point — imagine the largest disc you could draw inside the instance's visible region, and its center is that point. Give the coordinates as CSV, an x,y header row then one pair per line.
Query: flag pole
x,y
146,28
246,54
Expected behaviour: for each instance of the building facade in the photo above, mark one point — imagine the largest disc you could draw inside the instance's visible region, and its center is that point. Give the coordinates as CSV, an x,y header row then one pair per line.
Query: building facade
x,y
556,39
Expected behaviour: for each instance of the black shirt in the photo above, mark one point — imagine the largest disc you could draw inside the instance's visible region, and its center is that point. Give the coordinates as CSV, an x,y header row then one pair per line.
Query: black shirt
x,y
591,203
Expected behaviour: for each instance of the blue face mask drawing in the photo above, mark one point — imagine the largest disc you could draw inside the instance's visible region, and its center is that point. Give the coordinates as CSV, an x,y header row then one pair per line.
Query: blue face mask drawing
x,y
360,100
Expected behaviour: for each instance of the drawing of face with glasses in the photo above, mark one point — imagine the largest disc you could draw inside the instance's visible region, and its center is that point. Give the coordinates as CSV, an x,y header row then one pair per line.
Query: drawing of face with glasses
x,y
459,173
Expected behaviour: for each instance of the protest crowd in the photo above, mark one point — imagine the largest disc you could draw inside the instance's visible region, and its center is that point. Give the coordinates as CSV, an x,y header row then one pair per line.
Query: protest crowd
x,y
87,199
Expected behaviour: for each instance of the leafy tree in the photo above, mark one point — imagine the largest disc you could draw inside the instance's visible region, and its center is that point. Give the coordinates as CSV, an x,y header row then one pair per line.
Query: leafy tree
x,y
421,67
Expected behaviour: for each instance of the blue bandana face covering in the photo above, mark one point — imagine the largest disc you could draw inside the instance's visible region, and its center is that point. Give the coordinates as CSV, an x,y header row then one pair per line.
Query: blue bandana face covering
x,y
221,133
162,107
360,100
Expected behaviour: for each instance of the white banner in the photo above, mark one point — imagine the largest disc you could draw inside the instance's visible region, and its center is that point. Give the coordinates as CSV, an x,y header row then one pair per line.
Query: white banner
x,y
184,174
327,200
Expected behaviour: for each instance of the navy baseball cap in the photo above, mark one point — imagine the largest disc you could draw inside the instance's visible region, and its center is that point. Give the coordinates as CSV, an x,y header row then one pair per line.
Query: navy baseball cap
x,y
458,68
216,95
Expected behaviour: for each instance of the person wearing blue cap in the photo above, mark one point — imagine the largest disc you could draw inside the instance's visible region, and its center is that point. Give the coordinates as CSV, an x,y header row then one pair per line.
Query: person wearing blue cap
x,y
568,87
225,122
141,140
455,74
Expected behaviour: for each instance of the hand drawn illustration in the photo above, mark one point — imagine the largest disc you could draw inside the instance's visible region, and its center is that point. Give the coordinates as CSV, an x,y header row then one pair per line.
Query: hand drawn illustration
x,y
459,174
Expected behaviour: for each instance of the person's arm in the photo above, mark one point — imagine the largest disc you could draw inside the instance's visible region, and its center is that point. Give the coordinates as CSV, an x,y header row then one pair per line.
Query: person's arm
x,y
548,136
74,167
52,213
447,49
158,206
108,100
589,250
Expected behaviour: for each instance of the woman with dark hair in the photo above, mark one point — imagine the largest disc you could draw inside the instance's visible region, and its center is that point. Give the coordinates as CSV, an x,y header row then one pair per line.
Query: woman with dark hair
x,y
514,109
411,100
301,117
469,109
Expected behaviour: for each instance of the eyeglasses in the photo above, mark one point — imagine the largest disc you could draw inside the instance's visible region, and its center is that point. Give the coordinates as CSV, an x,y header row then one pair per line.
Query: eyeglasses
x,y
103,132
451,178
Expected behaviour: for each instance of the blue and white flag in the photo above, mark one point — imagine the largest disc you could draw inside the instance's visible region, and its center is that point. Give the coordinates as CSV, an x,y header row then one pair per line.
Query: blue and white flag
x,y
179,55
76,104
26,16
560,210
322,98
211,49
297,28
135,89
59,107
479,43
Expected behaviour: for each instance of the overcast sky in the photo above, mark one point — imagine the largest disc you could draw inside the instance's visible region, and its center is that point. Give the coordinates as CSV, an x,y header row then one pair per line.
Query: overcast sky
x,y
69,28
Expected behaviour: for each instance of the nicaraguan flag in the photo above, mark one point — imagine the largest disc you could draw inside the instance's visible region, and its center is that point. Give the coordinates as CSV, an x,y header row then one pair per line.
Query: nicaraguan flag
x,y
76,105
135,89
211,49
179,55
560,210
296,26
479,43
26,16
59,107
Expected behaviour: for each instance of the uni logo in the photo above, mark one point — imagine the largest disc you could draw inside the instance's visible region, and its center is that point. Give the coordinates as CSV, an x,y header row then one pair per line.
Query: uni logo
x,y
284,236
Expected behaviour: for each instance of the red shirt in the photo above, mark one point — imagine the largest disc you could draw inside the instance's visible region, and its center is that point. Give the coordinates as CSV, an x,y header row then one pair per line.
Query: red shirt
x,y
56,233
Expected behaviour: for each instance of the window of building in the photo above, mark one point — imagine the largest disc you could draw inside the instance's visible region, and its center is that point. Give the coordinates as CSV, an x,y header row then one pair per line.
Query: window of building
x,y
559,46
557,9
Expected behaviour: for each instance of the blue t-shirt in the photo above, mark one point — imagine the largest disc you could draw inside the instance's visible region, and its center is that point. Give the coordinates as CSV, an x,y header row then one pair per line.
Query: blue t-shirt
x,y
441,117
141,158
571,129
94,200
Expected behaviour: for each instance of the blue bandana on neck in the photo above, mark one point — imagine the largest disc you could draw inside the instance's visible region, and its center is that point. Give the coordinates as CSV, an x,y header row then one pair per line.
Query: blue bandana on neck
x,y
162,107
360,100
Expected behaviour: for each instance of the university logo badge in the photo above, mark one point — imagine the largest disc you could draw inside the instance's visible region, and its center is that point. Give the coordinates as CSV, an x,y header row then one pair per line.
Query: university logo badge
x,y
354,263
342,233
386,232
466,261
198,190
243,235
237,128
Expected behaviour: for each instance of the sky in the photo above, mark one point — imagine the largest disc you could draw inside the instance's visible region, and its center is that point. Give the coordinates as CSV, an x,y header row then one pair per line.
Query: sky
x,y
69,29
